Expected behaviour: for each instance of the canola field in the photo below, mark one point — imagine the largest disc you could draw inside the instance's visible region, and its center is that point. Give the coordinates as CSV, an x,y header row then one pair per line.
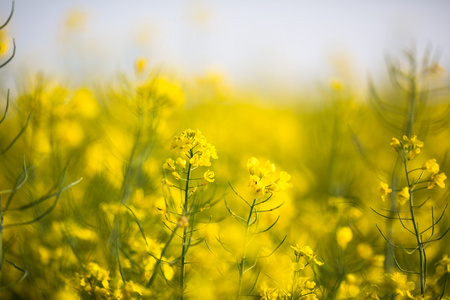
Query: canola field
x,y
154,186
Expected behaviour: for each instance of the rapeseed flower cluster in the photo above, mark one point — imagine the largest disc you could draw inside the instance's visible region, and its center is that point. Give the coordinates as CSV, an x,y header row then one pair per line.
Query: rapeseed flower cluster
x,y
193,151
408,149
262,179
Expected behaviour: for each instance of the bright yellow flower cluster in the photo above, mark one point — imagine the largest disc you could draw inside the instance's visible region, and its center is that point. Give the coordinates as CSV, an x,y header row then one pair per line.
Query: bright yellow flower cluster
x,y
399,284
410,146
193,145
408,149
194,151
96,281
261,180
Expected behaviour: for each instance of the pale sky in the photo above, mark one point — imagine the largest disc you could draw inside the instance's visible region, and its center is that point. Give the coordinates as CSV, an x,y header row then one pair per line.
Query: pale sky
x,y
255,41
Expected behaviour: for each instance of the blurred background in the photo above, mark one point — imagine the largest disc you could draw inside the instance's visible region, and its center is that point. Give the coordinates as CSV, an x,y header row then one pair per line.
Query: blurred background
x,y
99,89
266,44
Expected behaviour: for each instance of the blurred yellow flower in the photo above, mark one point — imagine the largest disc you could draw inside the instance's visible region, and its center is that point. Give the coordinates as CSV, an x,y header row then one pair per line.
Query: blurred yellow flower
x,y
412,142
181,162
443,266
431,166
403,195
401,285
169,164
209,176
395,144
343,236
384,190
176,175
307,253
69,133
140,65
437,179
412,153
364,250
4,43
83,103
166,182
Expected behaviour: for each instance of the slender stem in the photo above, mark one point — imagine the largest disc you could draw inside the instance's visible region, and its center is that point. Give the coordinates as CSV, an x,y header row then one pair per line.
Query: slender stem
x,y
185,232
158,262
422,257
244,248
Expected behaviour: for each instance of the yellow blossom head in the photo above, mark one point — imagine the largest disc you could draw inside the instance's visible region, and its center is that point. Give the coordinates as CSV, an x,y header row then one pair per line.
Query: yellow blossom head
x,y
262,179
193,145
431,166
140,65
343,236
437,179
209,176
307,253
384,190
403,195
395,144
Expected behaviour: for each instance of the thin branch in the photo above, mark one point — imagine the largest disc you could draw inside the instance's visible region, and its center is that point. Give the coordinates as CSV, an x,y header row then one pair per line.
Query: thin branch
x,y
267,229
387,217
273,251
435,223
9,17
18,135
25,273
219,258
11,57
401,222
238,194
6,108
272,209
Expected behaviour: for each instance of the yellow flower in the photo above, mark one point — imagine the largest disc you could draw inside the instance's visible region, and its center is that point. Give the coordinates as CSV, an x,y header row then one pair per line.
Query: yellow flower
x,y
364,251
169,164
140,65
258,188
4,43
181,162
413,153
252,165
395,144
431,166
307,253
437,179
261,179
176,175
412,146
443,266
193,145
403,196
166,182
402,286
384,190
412,142
209,176
280,184
343,236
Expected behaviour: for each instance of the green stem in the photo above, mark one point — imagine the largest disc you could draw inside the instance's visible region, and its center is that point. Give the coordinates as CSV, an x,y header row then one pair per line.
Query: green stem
x,y
244,248
185,233
158,262
422,256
